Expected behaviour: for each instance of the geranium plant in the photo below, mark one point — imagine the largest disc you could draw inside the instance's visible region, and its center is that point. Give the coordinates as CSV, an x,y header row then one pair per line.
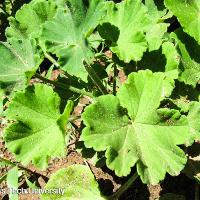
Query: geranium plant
x,y
143,125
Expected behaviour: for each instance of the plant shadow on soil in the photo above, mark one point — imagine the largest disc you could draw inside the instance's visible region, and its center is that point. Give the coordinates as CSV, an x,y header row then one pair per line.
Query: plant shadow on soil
x,y
180,185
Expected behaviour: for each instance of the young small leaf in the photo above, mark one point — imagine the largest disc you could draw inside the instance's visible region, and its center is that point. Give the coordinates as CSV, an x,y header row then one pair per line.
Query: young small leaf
x,y
172,59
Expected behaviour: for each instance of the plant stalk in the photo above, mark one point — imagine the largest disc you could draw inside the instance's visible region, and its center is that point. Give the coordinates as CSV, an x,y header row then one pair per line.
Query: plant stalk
x,y
4,10
95,78
51,59
124,187
114,80
13,164
63,86
3,178
11,3
74,118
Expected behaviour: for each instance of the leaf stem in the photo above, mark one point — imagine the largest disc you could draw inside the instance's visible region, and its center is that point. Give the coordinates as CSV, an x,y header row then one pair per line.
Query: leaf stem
x,y
4,10
95,78
74,118
30,171
50,58
63,86
124,187
13,164
53,61
3,178
11,3
114,80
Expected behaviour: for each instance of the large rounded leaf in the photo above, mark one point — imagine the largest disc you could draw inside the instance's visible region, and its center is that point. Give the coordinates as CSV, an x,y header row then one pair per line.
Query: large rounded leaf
x,y
78,183
67,34
38,130
134,26
132,131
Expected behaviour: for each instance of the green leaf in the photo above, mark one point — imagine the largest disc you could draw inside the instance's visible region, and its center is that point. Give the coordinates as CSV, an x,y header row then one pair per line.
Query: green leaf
x,y
187,12
132,131
172,59
77,181
134,27
28,20
190,62
67,34
155,35
128,15
12,182
19,61
39,129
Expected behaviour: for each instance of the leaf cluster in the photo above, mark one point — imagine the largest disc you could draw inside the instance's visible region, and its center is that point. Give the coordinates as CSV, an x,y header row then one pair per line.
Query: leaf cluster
x,y
148,121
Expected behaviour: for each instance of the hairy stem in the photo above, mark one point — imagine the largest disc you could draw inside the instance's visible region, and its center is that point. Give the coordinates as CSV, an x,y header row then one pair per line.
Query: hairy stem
x,y
51,59
11,3
63,86
74,118
3,178
124,187
13,164
114,80
95,78
4,10
30,171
